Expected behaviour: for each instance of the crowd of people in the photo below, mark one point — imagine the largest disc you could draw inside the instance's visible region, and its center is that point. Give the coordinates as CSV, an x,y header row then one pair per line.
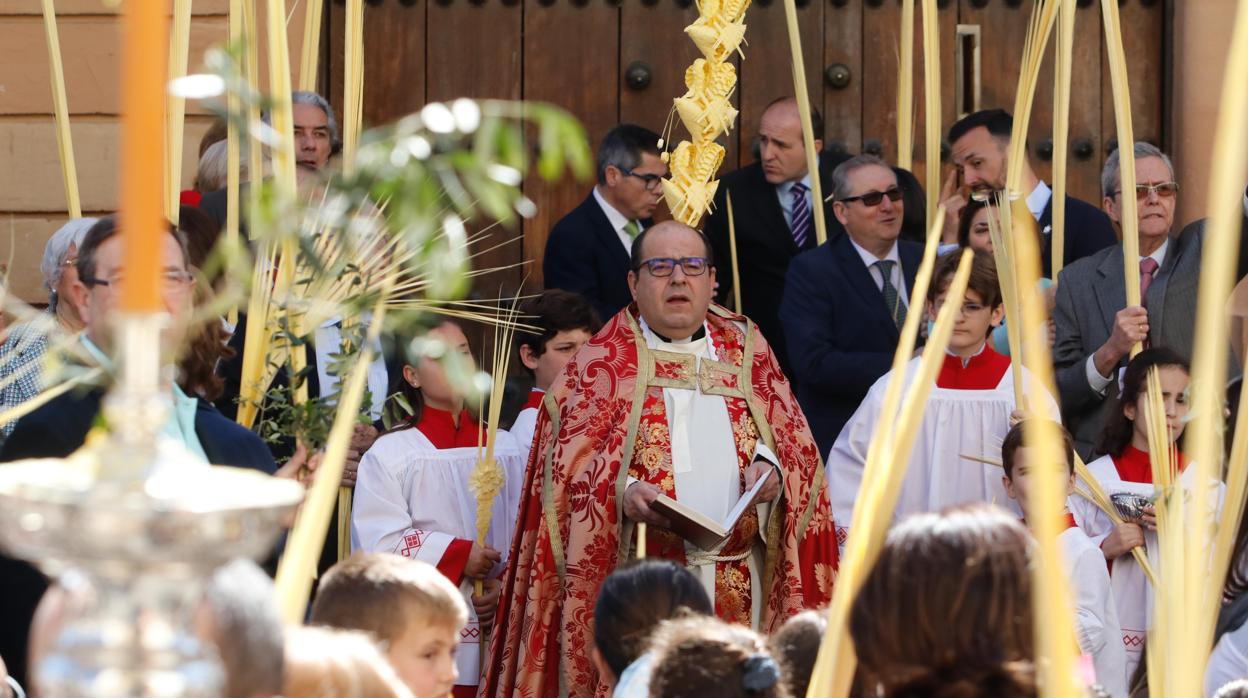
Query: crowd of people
x,y
680,481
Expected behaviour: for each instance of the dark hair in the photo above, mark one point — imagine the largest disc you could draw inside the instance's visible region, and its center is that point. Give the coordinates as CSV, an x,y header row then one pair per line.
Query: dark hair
x,y
701,656
796,646
101,232
1118,431
983,278
634,599
967,216
555,310
201,231
914,206
998,122
622,148
816,119
1014,441
394,413
218,131
635,252
946,610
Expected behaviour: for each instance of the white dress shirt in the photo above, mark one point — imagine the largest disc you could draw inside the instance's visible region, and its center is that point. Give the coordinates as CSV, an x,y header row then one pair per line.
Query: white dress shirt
x,y
1038,199
328,341
1096,381
785,192
896,277
618,221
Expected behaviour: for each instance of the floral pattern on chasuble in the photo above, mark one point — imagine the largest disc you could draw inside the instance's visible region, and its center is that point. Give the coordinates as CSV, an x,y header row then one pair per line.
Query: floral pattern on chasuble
x,y
652,462
571,531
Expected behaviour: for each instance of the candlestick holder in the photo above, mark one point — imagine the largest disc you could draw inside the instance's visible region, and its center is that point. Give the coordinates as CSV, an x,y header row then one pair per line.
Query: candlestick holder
x,y
143,522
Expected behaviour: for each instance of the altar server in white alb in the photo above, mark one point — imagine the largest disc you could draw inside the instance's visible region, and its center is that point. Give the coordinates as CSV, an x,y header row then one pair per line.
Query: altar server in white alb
x,y
1127,469
968,413
564,321
1096,614
412,495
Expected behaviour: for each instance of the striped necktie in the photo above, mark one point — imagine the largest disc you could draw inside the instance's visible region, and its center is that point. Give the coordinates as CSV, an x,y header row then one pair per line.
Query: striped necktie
x,y
801,215
892,299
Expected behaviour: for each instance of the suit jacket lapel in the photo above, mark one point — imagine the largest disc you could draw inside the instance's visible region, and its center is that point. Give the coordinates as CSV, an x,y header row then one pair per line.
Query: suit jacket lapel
x,y
1158,291
863,283
607,237
767,203
1113,295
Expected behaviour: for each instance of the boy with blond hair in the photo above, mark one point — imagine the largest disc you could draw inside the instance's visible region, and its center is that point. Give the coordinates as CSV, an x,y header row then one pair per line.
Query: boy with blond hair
x,y
414,612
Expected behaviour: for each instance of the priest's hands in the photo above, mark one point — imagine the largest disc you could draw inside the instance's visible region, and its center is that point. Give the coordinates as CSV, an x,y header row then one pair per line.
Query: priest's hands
x,y
1122,539
481,560
637,500
486,605
771,489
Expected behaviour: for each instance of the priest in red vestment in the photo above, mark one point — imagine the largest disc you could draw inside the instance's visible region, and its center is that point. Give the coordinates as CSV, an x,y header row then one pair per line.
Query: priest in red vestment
x,y
677,397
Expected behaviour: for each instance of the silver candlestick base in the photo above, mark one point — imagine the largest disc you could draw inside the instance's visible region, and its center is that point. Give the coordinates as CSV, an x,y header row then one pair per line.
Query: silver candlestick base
x,y
143,522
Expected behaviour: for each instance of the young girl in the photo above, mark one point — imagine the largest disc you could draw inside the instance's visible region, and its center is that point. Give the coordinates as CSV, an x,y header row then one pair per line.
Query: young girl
x,y
412,496
1126,468
704,656
968,412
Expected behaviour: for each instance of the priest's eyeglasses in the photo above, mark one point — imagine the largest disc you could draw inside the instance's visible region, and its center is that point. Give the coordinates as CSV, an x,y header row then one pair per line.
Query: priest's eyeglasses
x,y
170,280
650,181
664,266
873,198
1163,190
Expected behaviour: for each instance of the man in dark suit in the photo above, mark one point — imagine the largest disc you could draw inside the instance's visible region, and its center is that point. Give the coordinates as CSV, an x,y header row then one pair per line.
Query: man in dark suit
x,y
1096,329
981,143
58,428
588,249
845,301
772,206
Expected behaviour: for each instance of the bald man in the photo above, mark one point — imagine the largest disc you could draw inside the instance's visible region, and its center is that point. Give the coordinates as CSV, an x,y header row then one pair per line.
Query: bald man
x,y
773,207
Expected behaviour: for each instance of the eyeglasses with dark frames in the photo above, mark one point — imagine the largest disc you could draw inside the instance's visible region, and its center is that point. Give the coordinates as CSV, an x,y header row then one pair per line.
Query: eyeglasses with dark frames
x,y
1164,190
171,280
874,198
650,181
662,267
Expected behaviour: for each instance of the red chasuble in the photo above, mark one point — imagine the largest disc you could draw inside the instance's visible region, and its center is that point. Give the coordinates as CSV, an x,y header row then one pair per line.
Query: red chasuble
x,y
605,422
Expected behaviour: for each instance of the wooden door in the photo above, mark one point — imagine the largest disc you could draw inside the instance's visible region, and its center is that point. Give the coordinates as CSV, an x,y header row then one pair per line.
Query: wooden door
x,y
609,61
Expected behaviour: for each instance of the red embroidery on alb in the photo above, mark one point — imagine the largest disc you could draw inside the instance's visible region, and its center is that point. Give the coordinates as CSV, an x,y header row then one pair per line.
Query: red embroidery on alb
x,y
411,544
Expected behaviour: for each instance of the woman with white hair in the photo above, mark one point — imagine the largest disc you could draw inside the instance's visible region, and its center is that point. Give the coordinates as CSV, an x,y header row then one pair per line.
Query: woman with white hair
x,y
22,352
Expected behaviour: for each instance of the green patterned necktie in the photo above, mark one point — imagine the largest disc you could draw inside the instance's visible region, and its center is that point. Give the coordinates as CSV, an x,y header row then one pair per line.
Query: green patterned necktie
x,y
892,299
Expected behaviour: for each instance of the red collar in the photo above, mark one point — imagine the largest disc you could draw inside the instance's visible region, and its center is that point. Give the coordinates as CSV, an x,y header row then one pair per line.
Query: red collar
x,y
983,371
1134,465
439,427
535,399
1068,521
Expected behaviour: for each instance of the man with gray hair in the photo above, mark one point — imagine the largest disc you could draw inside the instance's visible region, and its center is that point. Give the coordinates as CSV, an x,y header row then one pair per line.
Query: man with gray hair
x,y
1095,328
845,301
588,251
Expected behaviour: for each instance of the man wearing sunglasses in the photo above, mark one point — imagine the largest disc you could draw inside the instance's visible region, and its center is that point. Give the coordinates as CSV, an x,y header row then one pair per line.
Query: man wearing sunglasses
x,y
677,397
981,142
1095,328
772,208
844,302
588,249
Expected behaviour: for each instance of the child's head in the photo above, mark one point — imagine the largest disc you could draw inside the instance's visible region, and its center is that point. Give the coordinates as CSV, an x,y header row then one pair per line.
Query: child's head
x,y
948,604
1018,459
982,309
423,381
796,646
409,606
566,320
973,225
1129,425
704,656
325,663
633,600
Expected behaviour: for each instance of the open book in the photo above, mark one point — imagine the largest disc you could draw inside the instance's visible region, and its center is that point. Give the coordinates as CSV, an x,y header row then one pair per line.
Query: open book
x,y
700,529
